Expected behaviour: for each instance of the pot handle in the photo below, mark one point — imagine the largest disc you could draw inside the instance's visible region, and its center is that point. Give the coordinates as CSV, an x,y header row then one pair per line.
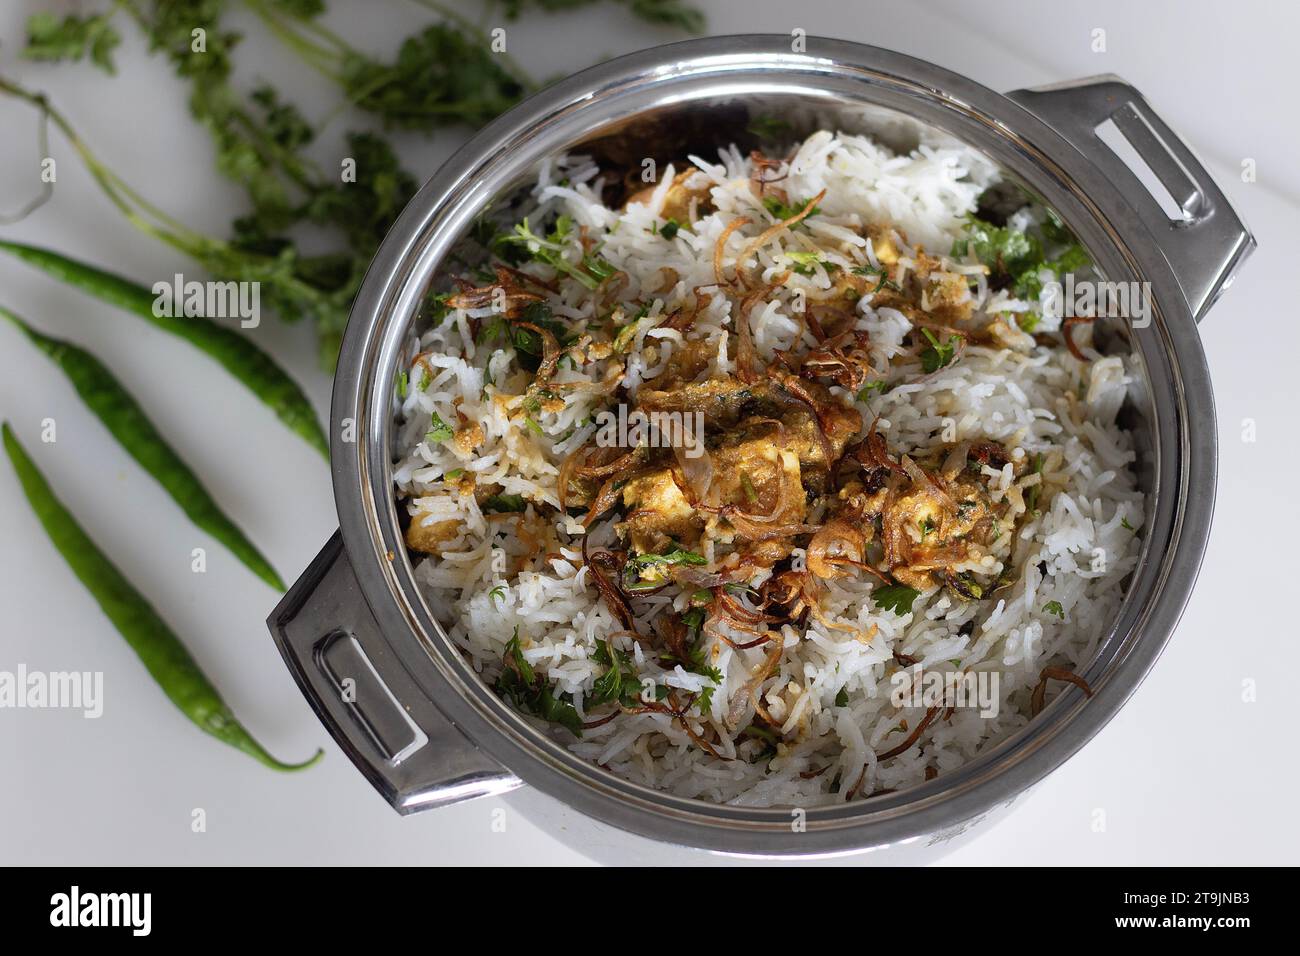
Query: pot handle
x,y
396,736
1208,242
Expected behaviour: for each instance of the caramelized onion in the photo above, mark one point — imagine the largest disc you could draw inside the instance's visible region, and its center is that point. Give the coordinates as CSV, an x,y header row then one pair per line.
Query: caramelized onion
x,y
772,232
837,531
912,738
1054,673
599,563
749,690
924,483
605,499
720,247
746,354
697,472
1067,333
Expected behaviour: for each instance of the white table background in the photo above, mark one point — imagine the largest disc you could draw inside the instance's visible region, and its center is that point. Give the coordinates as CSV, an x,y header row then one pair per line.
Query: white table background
x,y
1188,773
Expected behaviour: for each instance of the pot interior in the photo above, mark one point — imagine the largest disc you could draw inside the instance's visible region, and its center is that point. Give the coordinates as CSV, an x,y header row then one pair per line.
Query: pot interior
x,y
695,112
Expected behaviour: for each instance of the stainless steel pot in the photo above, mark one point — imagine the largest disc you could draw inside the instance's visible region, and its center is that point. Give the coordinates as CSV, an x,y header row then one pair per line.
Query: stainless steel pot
x,y
401,701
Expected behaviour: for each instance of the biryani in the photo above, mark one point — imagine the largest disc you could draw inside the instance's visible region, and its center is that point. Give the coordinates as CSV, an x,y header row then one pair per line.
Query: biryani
x,y
708,473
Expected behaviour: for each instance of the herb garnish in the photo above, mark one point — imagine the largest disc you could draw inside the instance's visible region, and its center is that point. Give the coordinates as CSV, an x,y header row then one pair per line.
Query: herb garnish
x,y
439,431
591,271
527,690
785,211
1019,256
895,597
864,394
503,503
939,353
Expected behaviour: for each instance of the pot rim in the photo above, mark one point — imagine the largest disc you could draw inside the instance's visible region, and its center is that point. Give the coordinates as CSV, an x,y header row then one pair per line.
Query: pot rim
x,y
1181,420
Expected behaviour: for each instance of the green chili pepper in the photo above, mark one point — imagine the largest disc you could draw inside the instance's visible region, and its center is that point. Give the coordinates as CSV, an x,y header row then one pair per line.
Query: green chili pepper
x,y
124,417
157,646
239,356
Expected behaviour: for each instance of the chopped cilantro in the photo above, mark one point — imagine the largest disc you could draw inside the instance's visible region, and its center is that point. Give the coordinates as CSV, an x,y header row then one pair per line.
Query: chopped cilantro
x,y
591,271
522,687
782,211
620,681
864,395
439,431
769,128
1054,607
705,700
679,556
1031,500
526,343
1019,256
842,698
895,597
503,503
805,263
939,353
670,228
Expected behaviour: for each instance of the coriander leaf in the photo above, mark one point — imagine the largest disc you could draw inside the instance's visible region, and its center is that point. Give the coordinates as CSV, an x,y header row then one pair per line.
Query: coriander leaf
x,y
439,431
558,711
516,655
503,503
782,211
805,262
441,76
1006,250
609,686
895,597
705,700
91,37
939,353
550,249
842,698
1031,499
678,556
769,128
520,684
1054,607
672,13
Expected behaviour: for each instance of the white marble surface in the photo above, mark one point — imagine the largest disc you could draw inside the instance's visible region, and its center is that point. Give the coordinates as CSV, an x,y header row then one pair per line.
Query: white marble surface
x,y
1187,773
